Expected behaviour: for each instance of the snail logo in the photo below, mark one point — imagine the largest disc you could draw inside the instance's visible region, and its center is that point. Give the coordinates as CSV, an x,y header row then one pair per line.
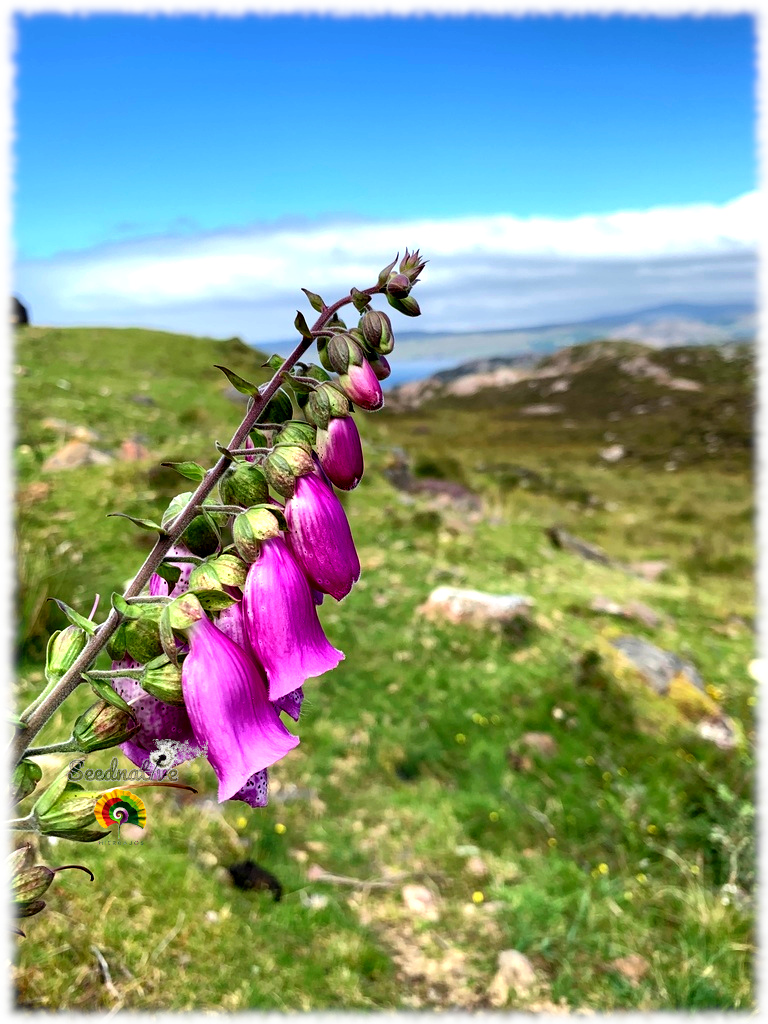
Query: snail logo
x,y
118,806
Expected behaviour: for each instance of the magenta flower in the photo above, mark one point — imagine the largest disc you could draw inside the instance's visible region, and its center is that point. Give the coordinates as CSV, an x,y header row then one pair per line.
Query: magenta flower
x,y
254,792
282,625
158,587
340,451
361,386
381,367
165,739
320,538
231,624
225,694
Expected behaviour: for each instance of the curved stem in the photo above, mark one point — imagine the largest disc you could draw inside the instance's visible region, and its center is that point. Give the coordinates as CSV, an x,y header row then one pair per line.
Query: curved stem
x,y
96,643
53,748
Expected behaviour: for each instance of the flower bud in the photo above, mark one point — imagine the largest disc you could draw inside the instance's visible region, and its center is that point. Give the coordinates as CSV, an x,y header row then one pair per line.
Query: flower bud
x,y
284,465
71,816
26,776
243,484
412,265
409,306
381,368
295,431
142,635
340,452
162,679
362,387
398,286
201,536
326,402
64,648
376,328
102,726
251,528
30,883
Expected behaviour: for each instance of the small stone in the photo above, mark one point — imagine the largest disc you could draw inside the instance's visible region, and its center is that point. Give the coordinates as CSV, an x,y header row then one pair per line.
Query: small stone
x,y
143,400
474,607
75,454
37,491
132,451
477,866
421,901
633,967
515,974
649,570
613,453
541,742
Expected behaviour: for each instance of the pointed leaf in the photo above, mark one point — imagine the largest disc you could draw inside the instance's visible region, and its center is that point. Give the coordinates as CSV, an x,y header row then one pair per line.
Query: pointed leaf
x,y
213,600
279,408
360,300
51,794
102,689
384,275
238,383
144,524
128,611
301,325
225,452
75,617
314,300
189,470
169,572
274,362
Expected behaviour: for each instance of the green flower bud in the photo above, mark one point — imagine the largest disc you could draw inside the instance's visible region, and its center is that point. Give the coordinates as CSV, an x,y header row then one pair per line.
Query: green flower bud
x,y
325,403
243,483
376,328
102,726
252,527
142,635
296,431
283,465
26,776
116,648
162,679
30,883
201,536
64,648
409,306
71,816
184,611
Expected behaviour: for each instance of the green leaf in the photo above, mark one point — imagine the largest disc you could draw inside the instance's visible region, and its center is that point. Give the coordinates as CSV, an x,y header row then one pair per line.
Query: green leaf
x,y
213,600
238,383
301,325
144,524
274,362
230,570
279,408
167,639
169,572
225,452
189,470
314,300
15,719
102,689
128,611
360,300
300,386
75,617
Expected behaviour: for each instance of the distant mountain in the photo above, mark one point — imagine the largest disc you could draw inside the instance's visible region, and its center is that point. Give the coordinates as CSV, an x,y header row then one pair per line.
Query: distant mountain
x,y
671,325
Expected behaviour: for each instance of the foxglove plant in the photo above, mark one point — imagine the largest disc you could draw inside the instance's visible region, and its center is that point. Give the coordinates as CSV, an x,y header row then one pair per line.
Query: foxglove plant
x,y
218,632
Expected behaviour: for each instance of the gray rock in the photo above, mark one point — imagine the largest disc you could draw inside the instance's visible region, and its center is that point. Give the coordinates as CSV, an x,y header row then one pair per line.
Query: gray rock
x,y
452,604
658,667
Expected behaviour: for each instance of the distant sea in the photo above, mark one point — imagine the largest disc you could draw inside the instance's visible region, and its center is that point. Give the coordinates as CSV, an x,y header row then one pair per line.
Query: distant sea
x,y
403,370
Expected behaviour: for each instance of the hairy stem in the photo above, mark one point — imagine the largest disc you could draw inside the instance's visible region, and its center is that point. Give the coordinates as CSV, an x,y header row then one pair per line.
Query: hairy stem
x,y
96,643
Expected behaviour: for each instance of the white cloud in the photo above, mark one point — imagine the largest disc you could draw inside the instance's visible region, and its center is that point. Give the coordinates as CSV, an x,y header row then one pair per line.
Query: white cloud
x,y
484,272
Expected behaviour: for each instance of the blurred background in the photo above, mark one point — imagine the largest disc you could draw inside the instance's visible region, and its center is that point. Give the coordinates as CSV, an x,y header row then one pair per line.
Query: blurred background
x,y
543,803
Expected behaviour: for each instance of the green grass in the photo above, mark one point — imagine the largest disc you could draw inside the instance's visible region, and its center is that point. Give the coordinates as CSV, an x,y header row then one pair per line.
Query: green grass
x,y
620,843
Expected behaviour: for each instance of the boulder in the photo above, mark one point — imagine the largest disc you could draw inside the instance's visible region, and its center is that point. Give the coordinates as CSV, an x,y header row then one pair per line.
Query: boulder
x,y
662,688
515,973
75,454
452,604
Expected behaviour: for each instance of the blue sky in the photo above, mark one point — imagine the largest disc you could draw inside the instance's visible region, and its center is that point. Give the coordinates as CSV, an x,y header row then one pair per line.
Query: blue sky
x,y
147,142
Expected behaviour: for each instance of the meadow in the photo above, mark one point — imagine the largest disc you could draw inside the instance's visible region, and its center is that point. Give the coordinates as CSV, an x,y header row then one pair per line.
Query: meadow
x,y
617,855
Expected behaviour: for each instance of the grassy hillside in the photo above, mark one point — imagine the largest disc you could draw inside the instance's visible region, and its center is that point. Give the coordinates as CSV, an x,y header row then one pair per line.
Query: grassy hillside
x,y
625,834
